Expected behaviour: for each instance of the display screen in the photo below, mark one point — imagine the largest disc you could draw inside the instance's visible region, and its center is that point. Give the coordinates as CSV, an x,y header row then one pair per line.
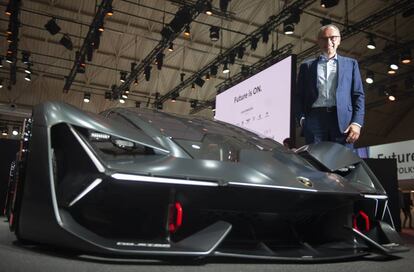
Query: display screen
x,y
261,103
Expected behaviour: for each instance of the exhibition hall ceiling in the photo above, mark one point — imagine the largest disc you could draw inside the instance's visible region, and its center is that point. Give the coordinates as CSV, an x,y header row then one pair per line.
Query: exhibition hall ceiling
x,y
138,28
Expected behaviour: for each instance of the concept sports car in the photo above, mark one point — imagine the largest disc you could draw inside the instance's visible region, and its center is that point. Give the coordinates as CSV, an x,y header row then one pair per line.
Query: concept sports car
x,y
139,182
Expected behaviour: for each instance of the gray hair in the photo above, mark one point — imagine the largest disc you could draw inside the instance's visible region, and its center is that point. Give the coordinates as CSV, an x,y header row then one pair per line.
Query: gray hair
x,y
322,29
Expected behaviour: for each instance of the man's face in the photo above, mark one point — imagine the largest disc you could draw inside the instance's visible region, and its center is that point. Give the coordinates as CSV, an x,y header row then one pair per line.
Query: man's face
x,y
329,41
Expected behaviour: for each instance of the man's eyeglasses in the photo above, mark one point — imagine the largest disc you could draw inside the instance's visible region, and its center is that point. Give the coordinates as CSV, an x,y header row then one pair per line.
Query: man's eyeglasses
x,y
332,38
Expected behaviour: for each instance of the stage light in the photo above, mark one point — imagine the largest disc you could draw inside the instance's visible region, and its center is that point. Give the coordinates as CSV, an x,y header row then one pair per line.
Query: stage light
x,y
124,95
121,100
371,43
329,3
122,77
108,95
1,83
4,131
159,60
208,76
288,28
182,75
87,97
171,47
101,27
232,57
193,103
25,57
213,70
226,69
109,10
253,43
369,77
66,42
1,61
192,86
136,81
214,33
15,131
174,96
187,32
406,56
28,77
28,69
199,81
240,52
52,26
9,58
208,8
265,35
147,72
224,5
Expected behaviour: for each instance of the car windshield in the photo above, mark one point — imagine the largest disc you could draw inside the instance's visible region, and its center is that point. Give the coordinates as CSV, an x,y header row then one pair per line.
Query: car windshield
x,y
203,138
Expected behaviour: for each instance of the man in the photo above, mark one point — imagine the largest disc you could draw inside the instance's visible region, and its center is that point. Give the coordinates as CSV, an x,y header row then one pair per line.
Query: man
x,y
330,98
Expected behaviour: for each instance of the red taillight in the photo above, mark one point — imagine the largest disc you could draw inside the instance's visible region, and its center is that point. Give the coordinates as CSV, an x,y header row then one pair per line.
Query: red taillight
x,y
359,219
176,217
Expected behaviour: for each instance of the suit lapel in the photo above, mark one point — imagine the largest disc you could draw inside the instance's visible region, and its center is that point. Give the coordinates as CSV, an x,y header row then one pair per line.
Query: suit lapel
x,y
341,68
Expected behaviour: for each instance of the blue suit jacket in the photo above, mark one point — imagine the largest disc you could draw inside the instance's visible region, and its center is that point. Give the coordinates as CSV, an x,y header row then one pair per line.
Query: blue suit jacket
x,y
350,98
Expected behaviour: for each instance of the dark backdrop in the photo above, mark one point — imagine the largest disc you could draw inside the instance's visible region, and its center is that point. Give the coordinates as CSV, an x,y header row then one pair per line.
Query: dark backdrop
x,y
8,150
386,172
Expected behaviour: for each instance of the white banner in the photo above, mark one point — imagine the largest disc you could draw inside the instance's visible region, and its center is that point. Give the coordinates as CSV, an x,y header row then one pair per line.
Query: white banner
x,y
403,152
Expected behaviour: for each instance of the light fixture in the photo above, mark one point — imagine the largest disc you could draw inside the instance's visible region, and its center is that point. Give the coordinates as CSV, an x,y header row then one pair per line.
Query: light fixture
x,y
240,52
226,69
192,86
87,97
122,77
124,95
52,26
253,43
121,100
265,35
371,43
1,83
136,81
174,96
171,47
1,61
208,8
28,77
329,3
25,57
9,58
4,131
369,77
108,95
214,33
66,42
28,69
182,75
213,70
406,56
208,76
159,60
110,10
391,71
187,32
199,81
288,28
193,103
15,131
101,27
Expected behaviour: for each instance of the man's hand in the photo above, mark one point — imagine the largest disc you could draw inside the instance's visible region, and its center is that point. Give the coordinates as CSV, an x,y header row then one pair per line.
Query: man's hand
x,y
353,132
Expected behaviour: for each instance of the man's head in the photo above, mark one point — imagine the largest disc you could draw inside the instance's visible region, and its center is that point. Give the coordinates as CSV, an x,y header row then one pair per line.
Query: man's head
x,y
329,38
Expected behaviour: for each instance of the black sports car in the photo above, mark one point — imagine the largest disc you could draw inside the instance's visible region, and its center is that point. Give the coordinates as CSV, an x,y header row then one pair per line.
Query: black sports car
x,y
139,182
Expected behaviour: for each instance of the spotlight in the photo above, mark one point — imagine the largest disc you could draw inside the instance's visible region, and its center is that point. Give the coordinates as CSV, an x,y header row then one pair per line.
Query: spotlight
x,y
9,58
174,96
208,8
147,72
136,81
240,52
124,95
108,95
15,131
329,3
213,70
123,75
110,10
28,69
66,42
226,69
187,32
171,47
192,86
101,27
265,35
193,103
28,77
87,97
214,33
371,43
253,42
394,65
4,131
1,61
406,56
182,75
232,57
1,83
224,5
159,60
288,28
199,81
369,77
207,76
121,100
52,26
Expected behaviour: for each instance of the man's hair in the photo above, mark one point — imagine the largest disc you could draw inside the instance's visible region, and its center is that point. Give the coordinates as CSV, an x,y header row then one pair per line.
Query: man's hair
x,y
328,26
